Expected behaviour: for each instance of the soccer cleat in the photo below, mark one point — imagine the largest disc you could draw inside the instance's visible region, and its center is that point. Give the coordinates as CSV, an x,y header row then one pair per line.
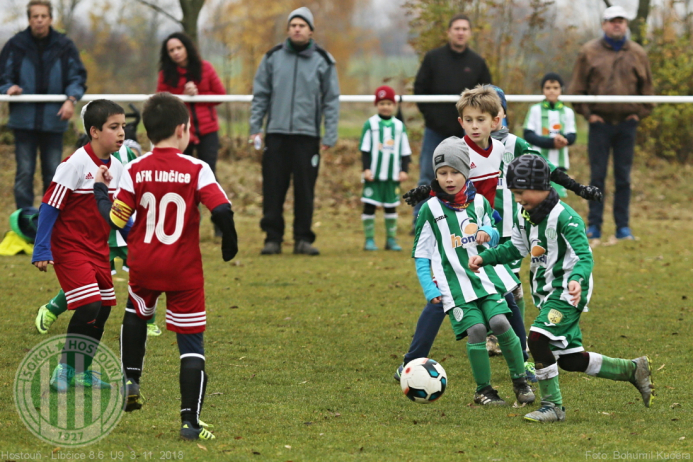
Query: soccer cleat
x,y
153,330
370,244
492,346
624,234
593,232
398,372
44,319
488,396
271,248
531,372
89,379
548,412
133,399
391,244
523,392
305,248
642,379
62,377
188,432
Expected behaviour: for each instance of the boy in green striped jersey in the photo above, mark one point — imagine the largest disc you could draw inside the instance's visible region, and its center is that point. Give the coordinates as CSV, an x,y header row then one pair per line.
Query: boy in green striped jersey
x,y
550,126
561,274
385,155
48,313
451,227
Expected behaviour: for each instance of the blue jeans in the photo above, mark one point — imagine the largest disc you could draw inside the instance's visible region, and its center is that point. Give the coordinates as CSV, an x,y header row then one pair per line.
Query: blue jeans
x,y
431,140
26,143
602,138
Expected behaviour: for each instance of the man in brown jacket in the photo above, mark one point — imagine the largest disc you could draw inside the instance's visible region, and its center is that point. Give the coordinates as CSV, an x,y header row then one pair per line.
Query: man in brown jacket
x,y
612,65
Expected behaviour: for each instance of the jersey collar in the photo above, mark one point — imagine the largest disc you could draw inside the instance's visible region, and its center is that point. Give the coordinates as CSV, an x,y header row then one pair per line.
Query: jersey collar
x,y
166,151
90,151
482,152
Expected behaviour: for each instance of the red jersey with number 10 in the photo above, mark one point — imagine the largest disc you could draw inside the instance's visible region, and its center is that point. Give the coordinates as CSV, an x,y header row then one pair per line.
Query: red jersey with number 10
x,y
164,188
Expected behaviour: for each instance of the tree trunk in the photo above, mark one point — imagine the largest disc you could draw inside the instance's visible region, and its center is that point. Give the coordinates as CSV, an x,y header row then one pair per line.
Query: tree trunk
x,y
191,12
638,26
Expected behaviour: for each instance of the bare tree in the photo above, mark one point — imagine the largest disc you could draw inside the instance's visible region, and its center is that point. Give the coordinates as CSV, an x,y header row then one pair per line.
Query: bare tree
x,y
191,12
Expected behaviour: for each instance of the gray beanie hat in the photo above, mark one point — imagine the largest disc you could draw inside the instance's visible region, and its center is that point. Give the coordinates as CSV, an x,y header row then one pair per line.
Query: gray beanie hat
x,y
305,14
452,152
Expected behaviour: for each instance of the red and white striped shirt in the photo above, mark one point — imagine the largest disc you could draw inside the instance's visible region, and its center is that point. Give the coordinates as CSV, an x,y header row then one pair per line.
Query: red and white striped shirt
x,y
485,167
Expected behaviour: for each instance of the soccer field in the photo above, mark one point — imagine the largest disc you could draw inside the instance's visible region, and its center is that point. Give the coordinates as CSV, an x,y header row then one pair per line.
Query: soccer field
x,y
301,351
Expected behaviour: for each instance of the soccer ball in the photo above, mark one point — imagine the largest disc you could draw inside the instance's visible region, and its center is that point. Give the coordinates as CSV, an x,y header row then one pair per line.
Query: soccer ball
x,y
423,380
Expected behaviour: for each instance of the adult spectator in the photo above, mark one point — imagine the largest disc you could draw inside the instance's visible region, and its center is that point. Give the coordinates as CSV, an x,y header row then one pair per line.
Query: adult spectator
x,y
612,65
183,72
447,70
295,86
39,61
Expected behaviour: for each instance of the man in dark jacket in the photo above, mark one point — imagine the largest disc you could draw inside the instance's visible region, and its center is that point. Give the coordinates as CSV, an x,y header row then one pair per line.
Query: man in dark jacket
x,y
295,87
612,65
39,60
447,70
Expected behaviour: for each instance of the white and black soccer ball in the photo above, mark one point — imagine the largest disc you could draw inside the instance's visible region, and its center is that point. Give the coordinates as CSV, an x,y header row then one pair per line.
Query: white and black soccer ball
x,y
423,380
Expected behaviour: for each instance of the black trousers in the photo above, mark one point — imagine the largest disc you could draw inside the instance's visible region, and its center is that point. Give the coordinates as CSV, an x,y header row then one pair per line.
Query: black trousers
x,y
284,156
602,138
207,149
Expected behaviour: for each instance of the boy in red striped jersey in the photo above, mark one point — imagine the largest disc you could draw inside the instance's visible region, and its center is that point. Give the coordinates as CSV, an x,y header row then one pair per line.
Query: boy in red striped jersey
x,y
73,238
165,188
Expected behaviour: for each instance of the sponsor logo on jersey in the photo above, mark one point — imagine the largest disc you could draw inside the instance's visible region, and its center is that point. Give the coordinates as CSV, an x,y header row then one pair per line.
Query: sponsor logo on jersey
x,y
89,176
538,255
442,217
458,313
555,316
551,233
462,241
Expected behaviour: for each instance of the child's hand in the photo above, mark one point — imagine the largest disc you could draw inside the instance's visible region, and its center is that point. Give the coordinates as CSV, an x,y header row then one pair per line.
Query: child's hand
x,y
103,176
368,175
574,289
560,142
403,176
436,300
482,237
476,262
43,265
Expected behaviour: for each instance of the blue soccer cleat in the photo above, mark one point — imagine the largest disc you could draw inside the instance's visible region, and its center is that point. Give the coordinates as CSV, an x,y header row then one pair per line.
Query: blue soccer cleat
x,y
62,377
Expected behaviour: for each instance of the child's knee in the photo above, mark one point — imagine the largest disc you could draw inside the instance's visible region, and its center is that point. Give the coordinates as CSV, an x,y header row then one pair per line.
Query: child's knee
x,y
476,333
499,324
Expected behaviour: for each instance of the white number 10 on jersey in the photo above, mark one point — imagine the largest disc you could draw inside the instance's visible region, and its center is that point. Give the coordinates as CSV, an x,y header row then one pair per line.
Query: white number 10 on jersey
x,y
155,226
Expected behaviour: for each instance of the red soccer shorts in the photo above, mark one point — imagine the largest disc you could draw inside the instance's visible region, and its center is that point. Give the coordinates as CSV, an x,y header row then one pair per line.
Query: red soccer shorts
x,y
185,309
86,282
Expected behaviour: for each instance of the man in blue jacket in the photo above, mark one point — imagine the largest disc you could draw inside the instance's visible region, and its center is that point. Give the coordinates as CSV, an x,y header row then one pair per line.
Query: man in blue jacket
x,y
296,87
39,61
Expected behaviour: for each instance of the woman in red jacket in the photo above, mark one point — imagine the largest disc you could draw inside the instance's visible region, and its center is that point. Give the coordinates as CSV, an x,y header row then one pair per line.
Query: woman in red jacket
x,y
183,72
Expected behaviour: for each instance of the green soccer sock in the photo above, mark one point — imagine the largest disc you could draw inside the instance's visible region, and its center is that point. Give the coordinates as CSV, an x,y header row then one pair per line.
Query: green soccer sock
x,y
58,304
481,366
391,227
511,348
152,320
618,369
368,226
550,390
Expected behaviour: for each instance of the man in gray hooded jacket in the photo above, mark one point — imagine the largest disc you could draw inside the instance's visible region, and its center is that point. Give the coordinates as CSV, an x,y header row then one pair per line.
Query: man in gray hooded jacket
x,y
295,87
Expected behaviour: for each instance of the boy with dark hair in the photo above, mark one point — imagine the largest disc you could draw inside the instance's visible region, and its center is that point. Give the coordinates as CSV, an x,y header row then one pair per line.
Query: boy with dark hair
x,y
72,237
385,155
450,229
165,188
561,274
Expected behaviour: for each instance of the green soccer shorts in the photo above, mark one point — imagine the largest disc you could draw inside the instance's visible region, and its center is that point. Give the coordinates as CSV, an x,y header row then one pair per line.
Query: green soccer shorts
x,y
560,322
119,252
381,193
479,311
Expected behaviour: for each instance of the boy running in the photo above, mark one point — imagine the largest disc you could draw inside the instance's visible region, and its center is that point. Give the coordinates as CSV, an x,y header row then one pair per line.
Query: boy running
x,y
561,274
72,236
165,188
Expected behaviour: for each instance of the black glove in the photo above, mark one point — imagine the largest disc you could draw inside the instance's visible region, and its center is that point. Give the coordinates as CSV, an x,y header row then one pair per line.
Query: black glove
x,y
591,193
222,216
416,195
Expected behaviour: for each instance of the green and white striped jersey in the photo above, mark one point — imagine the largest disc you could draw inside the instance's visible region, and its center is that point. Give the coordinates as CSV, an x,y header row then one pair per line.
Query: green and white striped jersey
x,y
560,253
546,121
124,155
448,238
504,202
387,142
